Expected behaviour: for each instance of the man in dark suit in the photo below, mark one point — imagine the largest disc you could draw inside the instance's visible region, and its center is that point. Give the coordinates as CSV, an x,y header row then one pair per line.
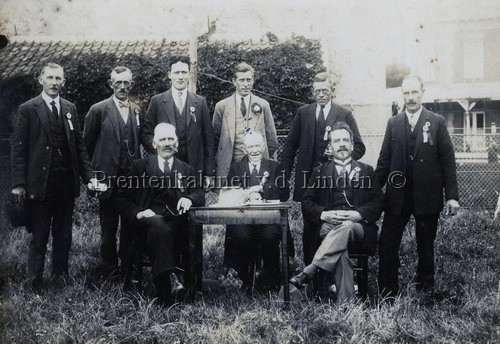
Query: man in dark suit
x,y
111,133
309,136
343,202
153,200
416,163
260,179
188,112
48,157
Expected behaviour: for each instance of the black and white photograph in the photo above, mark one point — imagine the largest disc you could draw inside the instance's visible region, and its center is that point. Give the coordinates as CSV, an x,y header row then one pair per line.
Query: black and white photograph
x,y
216,171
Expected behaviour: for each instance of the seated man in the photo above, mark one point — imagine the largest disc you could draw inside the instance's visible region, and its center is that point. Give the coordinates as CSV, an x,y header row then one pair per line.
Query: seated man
x,y
344,201
158,192
261,178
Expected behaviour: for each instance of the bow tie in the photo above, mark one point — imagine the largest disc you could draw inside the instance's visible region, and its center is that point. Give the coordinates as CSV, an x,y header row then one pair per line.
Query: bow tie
x,y
125,104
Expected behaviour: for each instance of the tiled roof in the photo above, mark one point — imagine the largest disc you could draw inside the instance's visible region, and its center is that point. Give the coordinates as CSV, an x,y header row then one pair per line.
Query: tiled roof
x,y
23,57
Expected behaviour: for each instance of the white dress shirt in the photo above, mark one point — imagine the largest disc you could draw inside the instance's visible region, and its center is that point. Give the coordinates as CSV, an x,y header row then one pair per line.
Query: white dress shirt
x,y
326,110
47,99
161,162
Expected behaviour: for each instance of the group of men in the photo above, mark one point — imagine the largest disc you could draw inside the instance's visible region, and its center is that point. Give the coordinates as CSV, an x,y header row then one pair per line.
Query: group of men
x,y
49,154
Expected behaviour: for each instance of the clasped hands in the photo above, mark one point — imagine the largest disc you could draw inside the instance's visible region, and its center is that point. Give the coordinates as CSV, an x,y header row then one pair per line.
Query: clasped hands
x,y
337,217
183,205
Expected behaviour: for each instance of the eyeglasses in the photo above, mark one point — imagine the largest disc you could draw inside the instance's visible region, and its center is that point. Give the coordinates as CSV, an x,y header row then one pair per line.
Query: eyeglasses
x,y
171,212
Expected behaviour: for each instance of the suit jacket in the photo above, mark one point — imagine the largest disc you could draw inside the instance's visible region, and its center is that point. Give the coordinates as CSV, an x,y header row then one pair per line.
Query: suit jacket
x,y
199,135
224,124
101,134
301,137
434,167
275,186
32,147
368,201
137,194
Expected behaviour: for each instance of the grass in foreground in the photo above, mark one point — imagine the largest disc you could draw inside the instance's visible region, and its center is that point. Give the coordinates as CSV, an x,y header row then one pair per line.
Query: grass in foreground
x,y
85,309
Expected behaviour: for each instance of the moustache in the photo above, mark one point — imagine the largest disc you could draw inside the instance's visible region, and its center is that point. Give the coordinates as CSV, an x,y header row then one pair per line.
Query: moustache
x,y
168,148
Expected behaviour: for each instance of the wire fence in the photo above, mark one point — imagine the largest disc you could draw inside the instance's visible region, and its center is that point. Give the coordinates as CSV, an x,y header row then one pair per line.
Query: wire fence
x,y
478,167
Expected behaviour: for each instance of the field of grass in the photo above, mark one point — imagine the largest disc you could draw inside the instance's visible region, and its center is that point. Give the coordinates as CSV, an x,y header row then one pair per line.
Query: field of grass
x,y
85,309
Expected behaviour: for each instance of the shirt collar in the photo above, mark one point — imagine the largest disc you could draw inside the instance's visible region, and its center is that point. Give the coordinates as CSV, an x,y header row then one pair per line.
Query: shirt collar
x,y
47,99
326,109
161,162
246,99
118,101
250,165
342,163
416,115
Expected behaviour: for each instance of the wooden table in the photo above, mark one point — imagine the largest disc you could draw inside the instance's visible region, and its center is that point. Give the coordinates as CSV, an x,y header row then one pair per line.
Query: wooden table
x,y
251,215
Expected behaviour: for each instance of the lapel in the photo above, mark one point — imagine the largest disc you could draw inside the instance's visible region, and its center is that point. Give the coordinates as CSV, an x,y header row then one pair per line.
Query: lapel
x,y
332,115
151,170
190,102
168,107
230,116
112,113
259,117
311,122
64,112
354,165
264,166
424,117
400,133
41,111
244,167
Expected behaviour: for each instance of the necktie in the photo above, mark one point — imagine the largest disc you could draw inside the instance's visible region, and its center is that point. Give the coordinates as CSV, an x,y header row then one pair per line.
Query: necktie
x,y
253,176
412,123
321,118
181,106
124,104
243,107
54,110
166,167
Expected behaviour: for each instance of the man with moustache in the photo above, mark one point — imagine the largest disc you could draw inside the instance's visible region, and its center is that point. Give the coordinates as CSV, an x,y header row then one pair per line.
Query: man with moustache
x,y
48,157
241,113
416,163
343,203
309,137
153,201
260,179
188,113
112,133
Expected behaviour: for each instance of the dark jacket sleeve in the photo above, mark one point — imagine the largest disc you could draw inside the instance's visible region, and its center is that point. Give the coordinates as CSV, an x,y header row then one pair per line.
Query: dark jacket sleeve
x,y
20,146
384,159
291,145
311,207
150,122
83,159
359,146
126,197
372,209
447,161
91,130
208,140
195,191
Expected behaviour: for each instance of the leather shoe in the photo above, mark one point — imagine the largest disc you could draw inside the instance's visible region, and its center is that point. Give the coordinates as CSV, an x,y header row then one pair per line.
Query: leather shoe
x,y
299,280
177,290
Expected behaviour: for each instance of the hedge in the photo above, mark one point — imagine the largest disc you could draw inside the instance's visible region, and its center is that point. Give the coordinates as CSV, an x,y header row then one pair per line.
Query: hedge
x,y
283,69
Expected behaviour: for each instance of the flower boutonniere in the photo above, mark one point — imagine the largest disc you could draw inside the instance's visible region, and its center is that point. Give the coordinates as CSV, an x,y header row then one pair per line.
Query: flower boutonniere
x,y
256,109
68,116
136,112
192,111
327,132
180,184
354,175
265,177
427,134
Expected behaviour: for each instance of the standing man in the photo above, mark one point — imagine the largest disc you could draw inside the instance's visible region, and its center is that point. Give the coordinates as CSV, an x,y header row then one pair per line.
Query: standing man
x,y
417,163
260,179
111,133
309,136
153,201
237,115
343,202
48,157
188,113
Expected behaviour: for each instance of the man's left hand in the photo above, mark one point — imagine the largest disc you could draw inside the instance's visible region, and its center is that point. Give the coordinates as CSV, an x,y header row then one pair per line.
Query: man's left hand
x,y
184,205
94,185
349,215
452,206
208,183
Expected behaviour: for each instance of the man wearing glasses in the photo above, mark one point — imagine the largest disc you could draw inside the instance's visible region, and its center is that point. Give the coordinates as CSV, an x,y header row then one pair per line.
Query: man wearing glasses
x,y
309,137
153,199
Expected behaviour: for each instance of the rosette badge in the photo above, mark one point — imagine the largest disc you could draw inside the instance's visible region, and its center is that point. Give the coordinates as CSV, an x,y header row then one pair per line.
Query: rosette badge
x,y
256,109
427,134
70,124
192,112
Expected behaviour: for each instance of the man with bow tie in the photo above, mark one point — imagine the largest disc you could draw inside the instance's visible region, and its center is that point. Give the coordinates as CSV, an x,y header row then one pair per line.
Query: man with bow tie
x,y
343,202
309,138
416,163
188,113
153,200
260,178
112,134
48,157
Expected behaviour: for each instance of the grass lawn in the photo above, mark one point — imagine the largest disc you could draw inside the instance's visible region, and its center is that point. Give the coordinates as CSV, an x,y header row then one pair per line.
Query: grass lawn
x,y
84,309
